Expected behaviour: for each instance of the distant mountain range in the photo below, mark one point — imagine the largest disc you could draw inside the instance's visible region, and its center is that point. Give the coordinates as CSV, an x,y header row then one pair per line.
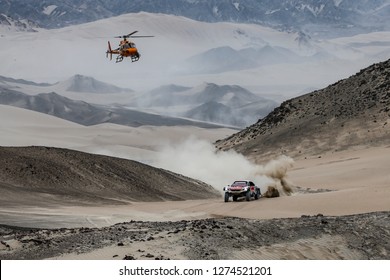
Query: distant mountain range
x,y
88,114
82,112
208,105
80,83
224,104
352,112
76,83
324,18
225,59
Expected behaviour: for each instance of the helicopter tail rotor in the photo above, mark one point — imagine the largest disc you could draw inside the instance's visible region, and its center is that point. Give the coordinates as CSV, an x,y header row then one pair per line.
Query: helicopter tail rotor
x,y
109,51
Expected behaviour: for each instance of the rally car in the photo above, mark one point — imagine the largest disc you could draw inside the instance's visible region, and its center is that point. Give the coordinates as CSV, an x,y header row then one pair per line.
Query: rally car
x,y
242,188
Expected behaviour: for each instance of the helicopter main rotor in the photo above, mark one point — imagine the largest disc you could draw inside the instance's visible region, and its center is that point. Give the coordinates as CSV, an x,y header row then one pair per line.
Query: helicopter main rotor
x,y
130,35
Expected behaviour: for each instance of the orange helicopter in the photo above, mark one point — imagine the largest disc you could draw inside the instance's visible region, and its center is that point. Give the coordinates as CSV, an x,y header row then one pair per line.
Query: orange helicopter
x,y
126,48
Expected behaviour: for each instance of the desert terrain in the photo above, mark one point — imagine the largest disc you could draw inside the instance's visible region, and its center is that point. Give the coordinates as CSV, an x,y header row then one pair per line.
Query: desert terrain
x,y
339,210
106,191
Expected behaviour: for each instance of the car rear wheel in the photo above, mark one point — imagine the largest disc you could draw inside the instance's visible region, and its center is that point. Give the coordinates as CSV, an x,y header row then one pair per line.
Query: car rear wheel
x,y
248,196
235,198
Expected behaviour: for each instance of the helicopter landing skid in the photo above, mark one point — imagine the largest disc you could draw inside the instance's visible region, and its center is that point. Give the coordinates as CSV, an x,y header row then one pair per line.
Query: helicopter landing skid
x,y
134,58
119,58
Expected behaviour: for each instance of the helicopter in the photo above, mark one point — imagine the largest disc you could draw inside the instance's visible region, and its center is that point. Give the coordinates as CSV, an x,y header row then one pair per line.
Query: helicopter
x,y
126,48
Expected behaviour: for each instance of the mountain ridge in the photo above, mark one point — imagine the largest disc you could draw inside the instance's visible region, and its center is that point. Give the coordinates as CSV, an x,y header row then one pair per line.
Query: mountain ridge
x,y
311,16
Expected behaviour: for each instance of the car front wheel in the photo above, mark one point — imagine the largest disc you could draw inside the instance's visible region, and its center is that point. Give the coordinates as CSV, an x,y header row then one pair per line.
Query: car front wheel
x,y
226,197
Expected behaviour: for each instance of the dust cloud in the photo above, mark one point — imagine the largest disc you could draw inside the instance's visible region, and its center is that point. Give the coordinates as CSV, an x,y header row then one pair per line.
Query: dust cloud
x,y
277,169
200,160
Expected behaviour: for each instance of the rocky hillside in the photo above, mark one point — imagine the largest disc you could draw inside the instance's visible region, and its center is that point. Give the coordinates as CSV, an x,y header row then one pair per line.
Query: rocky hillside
x,y
35,175
352,112
9,24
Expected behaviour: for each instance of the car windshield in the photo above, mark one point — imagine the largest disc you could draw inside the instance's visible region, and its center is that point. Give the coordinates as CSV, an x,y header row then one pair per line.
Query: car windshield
x,y
239,184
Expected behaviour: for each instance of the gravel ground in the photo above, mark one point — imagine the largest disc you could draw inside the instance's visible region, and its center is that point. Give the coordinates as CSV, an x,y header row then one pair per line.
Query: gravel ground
x,y
362,236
